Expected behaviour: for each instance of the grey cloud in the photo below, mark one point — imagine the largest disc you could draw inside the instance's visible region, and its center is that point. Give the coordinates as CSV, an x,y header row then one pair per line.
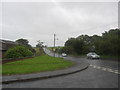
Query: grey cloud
x,y
39,21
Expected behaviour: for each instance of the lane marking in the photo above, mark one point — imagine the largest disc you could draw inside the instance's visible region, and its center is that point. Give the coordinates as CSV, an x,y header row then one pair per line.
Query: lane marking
x,y
94,66
98,67
91,65
105,69
109,70
116,70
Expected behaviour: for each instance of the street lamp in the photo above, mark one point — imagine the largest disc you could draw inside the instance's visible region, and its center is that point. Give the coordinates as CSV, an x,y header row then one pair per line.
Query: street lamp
x,y
54,44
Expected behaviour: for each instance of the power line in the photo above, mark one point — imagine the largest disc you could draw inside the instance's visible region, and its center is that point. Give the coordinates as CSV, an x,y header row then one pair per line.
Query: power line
x,y
92,28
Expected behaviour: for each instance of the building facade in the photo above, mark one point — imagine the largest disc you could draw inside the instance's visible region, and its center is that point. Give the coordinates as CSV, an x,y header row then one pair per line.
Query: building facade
x,y
5,45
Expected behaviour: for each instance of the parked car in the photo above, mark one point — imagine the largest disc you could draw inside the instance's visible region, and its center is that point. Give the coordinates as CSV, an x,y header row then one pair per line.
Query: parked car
x,y
92,55
64,54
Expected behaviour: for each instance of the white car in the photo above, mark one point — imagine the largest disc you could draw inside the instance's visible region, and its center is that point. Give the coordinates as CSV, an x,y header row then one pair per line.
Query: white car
x,y
93,55
64,54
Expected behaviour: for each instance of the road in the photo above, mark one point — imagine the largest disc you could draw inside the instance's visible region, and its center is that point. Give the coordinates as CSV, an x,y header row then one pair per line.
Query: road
x,y
100,74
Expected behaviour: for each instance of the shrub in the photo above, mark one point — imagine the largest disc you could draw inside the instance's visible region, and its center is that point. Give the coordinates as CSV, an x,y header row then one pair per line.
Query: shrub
x,y
18,52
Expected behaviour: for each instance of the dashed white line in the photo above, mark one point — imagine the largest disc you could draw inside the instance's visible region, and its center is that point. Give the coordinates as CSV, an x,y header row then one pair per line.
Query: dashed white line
x,y
111,71
94,66
116,72
91,65
105,69
98,67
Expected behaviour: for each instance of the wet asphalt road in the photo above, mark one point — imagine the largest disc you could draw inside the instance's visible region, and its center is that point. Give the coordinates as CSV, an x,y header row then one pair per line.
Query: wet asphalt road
x,y
100,74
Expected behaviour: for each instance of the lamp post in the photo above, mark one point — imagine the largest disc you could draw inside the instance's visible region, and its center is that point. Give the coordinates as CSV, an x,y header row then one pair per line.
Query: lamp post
x,y
54,44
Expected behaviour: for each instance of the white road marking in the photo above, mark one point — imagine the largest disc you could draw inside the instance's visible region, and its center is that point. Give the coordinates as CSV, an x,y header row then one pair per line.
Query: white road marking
x,y
105,69
98,67
91,65
109,70
94,66
116,70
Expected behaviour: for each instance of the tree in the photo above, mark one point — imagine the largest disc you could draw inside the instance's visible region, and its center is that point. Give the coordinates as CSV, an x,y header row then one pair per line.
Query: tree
x,y
74,45
70,42
18,52
22,41
40,44
25,42
107,44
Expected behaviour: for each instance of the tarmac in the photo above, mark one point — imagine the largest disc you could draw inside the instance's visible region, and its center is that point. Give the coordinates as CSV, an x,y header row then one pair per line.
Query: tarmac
x,y
44,75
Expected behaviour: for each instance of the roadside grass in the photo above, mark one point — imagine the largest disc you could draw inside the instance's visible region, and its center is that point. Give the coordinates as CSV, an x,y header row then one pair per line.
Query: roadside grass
x,y
36,64
50,48
0,67
39,51
0,70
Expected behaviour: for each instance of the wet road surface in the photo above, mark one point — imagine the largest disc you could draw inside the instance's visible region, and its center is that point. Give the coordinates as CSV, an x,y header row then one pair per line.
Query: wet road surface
x,y
100,74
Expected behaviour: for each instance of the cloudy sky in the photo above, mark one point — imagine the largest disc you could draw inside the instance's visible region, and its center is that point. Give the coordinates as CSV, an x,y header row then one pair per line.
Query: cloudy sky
x,y
41,20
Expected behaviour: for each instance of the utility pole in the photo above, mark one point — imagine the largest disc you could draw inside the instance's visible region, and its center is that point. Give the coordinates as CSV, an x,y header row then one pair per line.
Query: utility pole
x,y
54,45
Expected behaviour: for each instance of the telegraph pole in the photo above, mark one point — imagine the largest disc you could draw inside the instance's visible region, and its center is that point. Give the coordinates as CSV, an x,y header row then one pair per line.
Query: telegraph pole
x,y
54,45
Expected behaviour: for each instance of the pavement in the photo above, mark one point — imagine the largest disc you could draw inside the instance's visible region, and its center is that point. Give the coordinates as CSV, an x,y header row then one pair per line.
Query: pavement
x,y
92,77
44,75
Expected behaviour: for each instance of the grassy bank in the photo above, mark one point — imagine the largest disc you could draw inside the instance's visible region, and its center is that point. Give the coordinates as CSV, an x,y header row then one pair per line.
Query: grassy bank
x,y
39,51
36,64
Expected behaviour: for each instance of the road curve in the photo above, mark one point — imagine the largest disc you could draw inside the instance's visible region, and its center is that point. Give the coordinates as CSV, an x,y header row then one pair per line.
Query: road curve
x,y
100,74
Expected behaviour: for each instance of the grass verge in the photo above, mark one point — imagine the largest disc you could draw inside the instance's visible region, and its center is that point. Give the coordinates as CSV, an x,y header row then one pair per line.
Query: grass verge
x,y
39,51
36,64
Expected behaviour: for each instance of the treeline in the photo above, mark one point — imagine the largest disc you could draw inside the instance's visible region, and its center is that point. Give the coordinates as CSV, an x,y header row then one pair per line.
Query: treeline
x,y
107,44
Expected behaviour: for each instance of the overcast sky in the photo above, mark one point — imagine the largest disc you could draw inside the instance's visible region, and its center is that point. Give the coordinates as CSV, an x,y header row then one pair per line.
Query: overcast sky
x,y
40,20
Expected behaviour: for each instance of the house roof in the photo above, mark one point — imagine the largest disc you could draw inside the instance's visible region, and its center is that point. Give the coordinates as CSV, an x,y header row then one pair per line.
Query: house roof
x,y
6,44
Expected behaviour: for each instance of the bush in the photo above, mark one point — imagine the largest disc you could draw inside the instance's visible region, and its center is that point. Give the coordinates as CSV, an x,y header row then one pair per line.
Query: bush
x,y
18,52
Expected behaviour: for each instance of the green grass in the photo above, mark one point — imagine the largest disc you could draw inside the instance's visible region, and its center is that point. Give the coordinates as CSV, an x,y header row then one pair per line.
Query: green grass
x,y
50,48
59,47
36,64
39,51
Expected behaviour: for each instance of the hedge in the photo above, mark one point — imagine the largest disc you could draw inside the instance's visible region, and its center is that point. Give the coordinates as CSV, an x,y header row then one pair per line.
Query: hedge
x,y
18,52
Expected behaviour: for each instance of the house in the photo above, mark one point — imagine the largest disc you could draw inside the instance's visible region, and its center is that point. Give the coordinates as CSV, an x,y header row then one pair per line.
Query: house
x,y
5,45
